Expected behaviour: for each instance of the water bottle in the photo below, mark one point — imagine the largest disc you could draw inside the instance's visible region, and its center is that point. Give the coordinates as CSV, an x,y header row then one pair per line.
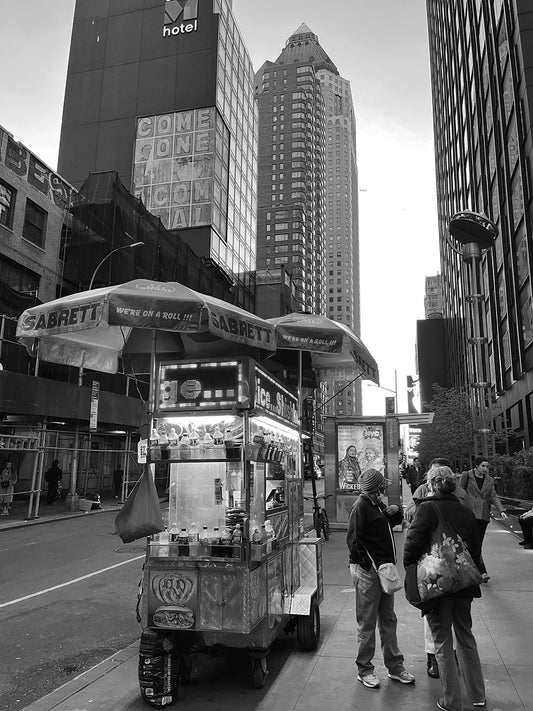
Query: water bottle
x,y
163,443
185,446
215,541
163,544
183,542
204,541
173,538
209,448
225,543
155,449
236,536
194,539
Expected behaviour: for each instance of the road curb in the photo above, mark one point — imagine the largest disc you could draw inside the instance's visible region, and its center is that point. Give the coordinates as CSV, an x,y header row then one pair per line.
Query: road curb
x,y
9,526
92,675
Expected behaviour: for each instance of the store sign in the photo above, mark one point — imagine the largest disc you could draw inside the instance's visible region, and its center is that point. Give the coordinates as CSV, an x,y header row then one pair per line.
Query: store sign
x,y
273,398
184,12
20,161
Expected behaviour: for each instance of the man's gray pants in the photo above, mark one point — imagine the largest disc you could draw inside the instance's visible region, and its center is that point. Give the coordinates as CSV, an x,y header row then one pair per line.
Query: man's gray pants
x,y
373,606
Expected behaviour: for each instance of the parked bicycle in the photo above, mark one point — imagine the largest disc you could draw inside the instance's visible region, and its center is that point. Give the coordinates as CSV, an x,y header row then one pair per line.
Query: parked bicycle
x,y
320,517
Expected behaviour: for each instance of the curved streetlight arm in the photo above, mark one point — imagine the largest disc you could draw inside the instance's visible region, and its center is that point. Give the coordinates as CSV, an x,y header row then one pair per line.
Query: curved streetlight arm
x,y
117,249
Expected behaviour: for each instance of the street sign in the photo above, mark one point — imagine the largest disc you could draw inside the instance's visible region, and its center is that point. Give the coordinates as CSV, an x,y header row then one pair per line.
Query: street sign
x,y
93,418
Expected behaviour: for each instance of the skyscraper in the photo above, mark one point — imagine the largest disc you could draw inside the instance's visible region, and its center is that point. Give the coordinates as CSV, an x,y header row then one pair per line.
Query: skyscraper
x,y
307,188
162,92
483,111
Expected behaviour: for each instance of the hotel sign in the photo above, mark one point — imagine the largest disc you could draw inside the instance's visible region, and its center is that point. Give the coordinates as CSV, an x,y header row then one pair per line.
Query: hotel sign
x,y
181,17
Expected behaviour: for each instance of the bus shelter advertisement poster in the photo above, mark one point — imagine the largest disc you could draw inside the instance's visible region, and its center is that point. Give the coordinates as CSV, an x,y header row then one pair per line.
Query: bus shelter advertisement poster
x,y
359,447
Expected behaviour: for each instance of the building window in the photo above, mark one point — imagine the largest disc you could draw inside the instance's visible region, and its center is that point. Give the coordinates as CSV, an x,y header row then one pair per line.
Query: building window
x,y
7,204
34,224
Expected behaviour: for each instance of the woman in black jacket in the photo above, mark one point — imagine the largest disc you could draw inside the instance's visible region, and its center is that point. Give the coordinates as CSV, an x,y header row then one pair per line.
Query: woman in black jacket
x,y
452,611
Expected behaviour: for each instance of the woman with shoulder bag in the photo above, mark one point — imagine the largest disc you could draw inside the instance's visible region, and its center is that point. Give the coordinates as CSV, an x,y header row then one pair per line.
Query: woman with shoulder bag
x,y
448,611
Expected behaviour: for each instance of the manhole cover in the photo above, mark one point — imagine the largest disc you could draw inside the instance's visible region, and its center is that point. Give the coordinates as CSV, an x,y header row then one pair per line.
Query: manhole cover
x,y
133,549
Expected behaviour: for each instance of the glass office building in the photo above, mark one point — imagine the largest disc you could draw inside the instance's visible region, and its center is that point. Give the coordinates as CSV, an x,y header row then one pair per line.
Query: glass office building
x,y
162,92
482,104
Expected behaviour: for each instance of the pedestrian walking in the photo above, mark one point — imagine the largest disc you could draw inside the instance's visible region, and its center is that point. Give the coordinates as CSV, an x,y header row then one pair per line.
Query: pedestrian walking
x,y
8,479
118,476
450,614
53,477
479,486
415,475
371,543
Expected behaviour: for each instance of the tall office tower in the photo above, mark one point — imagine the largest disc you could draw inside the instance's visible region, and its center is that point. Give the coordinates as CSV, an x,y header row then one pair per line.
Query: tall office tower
x,y
482,103
162,92
291,167
307,189
433,297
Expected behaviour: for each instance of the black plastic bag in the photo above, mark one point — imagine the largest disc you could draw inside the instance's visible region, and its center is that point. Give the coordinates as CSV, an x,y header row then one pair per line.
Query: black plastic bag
x,y
141,514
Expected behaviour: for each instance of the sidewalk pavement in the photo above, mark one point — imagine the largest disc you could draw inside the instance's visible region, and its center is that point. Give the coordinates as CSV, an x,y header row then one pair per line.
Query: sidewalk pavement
x,y
50,512
305,681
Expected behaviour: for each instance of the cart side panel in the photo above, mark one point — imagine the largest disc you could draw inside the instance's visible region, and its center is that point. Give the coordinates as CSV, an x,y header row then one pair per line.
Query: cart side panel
x,y
311,565
257,595
275,587
172,597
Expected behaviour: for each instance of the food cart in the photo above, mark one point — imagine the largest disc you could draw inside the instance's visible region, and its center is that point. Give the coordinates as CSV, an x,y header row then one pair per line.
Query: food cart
x,y
234,568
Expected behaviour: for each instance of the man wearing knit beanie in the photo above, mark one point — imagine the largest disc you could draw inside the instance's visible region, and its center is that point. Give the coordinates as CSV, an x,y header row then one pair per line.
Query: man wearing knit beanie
x,y
370,542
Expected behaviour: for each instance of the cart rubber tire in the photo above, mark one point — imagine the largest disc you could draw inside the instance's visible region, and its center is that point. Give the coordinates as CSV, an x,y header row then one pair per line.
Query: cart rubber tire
x,y
158,659
324,521
308,628
259,673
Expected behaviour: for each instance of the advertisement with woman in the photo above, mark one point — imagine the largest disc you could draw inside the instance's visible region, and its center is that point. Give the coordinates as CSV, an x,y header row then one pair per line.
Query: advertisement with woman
x,y
359,447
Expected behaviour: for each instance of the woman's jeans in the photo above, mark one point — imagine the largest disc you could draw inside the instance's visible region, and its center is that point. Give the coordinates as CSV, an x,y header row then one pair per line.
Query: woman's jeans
x,y
454,613
373,606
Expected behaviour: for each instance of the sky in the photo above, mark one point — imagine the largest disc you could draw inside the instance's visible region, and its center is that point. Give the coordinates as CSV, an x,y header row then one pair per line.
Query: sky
x,y
381,47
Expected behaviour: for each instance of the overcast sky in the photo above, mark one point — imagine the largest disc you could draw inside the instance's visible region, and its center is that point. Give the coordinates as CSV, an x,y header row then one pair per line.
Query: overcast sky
x,y
380,46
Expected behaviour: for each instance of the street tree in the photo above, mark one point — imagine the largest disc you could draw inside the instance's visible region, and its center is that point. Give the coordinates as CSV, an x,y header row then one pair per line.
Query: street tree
x,y
451,432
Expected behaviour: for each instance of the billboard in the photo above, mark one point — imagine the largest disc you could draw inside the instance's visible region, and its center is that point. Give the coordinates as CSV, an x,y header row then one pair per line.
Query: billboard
x,y
180,168
360,447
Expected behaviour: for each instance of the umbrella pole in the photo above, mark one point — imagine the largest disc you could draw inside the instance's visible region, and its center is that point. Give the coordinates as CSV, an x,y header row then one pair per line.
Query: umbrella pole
x,y
153,375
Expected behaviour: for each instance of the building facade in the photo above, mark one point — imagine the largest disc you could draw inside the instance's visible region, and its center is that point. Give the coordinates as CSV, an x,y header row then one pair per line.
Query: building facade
x,y
307,190
162,92
480,55
433,305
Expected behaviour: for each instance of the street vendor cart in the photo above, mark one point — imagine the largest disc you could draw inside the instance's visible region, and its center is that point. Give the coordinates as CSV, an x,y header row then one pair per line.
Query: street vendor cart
x,y
234,568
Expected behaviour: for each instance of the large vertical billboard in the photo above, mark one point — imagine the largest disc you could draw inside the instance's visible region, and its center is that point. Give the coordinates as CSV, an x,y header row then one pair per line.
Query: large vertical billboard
x,y
180,169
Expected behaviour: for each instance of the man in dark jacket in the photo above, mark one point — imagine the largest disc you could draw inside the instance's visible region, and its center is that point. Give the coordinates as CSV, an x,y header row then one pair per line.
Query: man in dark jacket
x,y
449,611
414,475
371,543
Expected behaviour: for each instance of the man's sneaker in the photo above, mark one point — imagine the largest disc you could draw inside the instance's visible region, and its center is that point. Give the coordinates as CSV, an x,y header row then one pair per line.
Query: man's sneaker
x,y
485,578
441,706
369,680
404,677
479,703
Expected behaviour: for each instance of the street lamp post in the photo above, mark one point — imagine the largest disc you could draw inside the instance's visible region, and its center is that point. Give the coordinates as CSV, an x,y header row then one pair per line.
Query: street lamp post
x,y
476,234
117,249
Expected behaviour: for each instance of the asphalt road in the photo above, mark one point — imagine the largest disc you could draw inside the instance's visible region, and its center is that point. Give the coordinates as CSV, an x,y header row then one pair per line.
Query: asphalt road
x,y
68,592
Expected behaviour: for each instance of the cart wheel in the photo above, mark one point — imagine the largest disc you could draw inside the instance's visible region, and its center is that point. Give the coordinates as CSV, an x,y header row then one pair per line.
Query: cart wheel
x,y
185,668
308,628
158,669
259,672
